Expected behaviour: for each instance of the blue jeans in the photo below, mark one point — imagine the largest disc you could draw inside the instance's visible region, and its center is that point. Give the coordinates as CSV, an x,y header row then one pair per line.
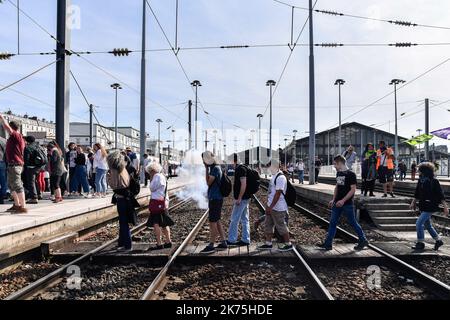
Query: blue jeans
x,y
240,215
100,180
3,183
423,222
123,208
301,176
349,212
81,178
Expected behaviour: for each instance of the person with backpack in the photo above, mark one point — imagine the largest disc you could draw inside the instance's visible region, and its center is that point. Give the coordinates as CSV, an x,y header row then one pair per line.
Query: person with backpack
x,y
119,180
243,183
14,149
277,209
35,158
213,178
429,194
56,169
342,203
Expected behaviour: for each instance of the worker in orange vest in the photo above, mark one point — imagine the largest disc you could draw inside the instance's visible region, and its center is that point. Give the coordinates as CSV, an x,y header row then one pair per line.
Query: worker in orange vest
x,y
385,168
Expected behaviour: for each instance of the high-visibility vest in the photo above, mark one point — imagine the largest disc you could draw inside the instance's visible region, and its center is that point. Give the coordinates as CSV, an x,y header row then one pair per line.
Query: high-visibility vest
x,y
389,158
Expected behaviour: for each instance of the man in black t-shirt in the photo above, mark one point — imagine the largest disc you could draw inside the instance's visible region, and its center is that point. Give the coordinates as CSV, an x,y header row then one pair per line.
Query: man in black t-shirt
x,y
342,203
240,214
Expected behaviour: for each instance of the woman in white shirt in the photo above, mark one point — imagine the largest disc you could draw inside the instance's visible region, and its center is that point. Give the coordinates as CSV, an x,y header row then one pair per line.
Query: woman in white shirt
x,y
159,203
101,168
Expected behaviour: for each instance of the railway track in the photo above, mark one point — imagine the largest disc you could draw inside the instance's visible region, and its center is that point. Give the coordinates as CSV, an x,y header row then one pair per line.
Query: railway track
x,y
60,273
436,287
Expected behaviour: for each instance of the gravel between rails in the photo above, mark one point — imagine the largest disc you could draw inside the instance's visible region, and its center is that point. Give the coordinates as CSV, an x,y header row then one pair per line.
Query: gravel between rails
x,y
111,230
350,282
236,281
304,231
105,282
23,275
438,267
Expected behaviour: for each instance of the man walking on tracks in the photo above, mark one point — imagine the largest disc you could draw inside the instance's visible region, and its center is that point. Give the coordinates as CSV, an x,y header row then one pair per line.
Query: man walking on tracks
x,y
277,210
240,214
342,203
429,194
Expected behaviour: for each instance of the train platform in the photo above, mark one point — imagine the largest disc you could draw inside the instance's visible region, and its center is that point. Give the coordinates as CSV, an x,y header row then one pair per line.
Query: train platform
x,y
22,232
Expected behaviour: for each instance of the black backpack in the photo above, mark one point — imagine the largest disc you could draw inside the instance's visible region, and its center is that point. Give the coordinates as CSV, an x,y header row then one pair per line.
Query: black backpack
x,y
225,185
39,157
253,181
291,194
135,187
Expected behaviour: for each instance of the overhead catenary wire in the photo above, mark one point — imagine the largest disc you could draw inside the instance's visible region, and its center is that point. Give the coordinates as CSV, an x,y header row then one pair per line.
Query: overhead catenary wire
x,y
408,115
398,22
27,76
289,59
89,105
392,92
177,58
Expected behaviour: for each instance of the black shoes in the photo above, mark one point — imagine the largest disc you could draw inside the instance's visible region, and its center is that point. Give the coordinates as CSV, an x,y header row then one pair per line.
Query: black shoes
x,y
208,249
167,245
222,246
438,244
361,245
419,246
325,247
392,195
156,248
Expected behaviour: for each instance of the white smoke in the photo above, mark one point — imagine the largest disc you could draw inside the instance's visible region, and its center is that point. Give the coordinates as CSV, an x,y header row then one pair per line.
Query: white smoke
x,y
193,171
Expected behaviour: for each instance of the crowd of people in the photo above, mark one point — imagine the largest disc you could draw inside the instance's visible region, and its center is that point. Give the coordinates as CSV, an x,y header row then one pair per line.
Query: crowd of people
x,y
28,169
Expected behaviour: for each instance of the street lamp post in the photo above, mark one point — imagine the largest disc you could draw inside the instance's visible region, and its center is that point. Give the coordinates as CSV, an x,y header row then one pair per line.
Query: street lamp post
x,y
259,116
419,131
285,152
196,84
395,83
116,87
271,84
159,121
294,159
340,82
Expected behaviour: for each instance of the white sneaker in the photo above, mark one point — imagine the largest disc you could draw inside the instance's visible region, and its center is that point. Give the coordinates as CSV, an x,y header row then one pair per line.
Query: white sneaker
x,y
88,196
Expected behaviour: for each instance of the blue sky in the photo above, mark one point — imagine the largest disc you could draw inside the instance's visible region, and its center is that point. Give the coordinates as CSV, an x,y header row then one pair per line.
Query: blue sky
x,y
234,80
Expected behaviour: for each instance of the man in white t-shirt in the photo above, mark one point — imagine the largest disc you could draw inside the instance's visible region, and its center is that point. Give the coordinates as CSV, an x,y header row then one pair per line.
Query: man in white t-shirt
x,y
277,209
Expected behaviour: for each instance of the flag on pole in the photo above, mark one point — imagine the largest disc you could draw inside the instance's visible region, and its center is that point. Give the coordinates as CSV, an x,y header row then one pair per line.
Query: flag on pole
x,y
419,140
443,133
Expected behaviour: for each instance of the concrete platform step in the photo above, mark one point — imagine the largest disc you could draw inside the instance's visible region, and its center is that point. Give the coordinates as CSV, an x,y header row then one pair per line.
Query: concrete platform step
x,y
394,220
390,213
387,206
398,227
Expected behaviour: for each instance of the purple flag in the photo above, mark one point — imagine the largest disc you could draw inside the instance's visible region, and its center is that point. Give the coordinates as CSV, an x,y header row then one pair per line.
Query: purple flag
x,y
443,133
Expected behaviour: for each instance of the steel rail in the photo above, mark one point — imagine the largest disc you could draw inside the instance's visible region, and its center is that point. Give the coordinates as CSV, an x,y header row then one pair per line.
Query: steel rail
x,y
43,282
149,294
320,291
436,286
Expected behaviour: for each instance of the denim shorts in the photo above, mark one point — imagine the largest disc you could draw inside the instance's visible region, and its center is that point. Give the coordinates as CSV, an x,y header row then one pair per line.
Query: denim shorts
x,y
15,183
